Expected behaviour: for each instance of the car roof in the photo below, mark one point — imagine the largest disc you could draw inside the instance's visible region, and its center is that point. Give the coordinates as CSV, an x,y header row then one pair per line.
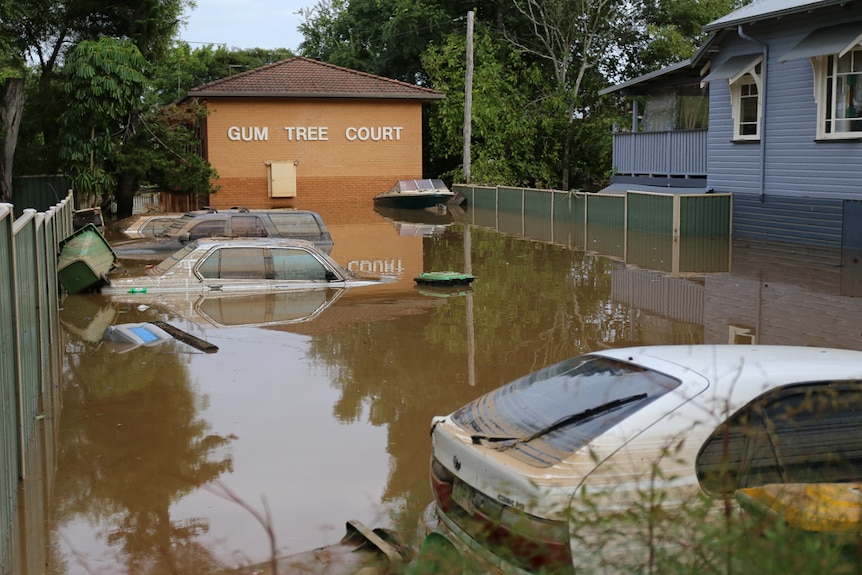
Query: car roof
x,y
739,373
242,210
256,242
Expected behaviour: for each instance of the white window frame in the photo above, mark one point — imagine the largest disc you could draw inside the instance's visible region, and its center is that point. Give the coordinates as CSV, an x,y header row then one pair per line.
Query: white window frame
x,y
829,86
738,86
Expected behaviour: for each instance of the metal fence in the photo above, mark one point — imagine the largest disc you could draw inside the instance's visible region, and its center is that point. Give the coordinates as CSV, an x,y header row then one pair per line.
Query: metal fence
x,y
677,233
30,365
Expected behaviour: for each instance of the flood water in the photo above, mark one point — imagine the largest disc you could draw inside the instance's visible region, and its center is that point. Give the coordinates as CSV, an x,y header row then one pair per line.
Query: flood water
x,y
170,459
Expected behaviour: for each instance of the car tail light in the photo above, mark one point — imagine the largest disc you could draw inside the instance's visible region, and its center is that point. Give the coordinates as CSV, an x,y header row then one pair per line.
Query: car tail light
x,y
441,484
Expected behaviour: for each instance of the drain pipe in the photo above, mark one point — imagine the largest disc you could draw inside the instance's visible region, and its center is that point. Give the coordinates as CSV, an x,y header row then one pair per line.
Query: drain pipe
x,y
762,95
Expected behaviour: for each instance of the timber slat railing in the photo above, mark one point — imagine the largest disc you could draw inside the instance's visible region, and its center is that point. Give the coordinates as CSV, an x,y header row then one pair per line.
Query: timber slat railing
x,y
30,366
668,154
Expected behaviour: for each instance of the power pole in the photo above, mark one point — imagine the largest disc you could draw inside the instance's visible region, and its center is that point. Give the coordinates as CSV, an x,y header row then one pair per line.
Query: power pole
x,y
468,97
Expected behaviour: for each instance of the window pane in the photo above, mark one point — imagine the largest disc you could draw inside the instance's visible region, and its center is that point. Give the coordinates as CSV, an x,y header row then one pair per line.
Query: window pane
x,y
247,227
207,229
812,433
297,265
235,263
295,225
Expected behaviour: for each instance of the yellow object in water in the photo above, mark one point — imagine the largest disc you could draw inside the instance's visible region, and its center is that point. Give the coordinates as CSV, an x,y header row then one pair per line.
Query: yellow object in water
x,y
822,507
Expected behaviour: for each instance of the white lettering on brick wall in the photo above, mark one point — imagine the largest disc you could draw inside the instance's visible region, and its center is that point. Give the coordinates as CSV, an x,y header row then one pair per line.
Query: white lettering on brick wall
x,y
248,133
373,133
307,133
316,133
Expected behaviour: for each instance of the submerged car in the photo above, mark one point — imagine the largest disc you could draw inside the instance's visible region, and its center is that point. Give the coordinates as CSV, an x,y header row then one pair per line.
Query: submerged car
x,y
519,474
237,222
234,265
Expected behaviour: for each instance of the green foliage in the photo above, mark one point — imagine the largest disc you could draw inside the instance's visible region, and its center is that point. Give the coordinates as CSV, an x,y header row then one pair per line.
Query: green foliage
x,y
182,68
672,29
384,37
513,139
111,132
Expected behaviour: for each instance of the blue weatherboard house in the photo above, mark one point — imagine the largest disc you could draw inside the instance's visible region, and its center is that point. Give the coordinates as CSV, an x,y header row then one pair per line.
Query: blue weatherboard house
x,y
770,110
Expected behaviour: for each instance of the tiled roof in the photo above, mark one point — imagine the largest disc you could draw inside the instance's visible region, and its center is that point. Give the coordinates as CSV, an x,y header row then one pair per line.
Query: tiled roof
x,y
306,78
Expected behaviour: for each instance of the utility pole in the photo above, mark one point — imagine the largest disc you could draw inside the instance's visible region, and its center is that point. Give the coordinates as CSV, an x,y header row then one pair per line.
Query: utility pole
x,y
468,97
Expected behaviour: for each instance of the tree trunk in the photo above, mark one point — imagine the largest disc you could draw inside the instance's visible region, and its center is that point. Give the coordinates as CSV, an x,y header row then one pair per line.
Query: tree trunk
x,y
11,109
127,183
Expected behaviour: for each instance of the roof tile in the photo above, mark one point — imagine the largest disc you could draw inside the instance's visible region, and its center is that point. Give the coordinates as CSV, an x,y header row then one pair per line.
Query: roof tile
x,y
302,77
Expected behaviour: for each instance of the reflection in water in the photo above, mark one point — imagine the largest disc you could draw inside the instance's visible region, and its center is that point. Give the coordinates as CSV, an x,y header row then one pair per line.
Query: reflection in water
x,y
326,420
132,444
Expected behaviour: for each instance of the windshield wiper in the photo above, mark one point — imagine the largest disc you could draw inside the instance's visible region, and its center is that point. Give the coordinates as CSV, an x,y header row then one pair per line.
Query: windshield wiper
x,y
562,422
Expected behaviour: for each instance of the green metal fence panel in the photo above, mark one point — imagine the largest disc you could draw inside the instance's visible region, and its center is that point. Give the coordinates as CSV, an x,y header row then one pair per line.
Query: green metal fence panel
x,y
606,210
485,198
30,367
539,228
650,250
9,467
510,200
651,213
538,203
27,308
705,215
704,254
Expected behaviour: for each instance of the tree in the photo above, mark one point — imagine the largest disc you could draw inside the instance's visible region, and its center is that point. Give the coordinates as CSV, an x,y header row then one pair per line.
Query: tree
x,y
573,37
42,32
13,72
104,81
514,139
383,37
115,136
182,68
672,29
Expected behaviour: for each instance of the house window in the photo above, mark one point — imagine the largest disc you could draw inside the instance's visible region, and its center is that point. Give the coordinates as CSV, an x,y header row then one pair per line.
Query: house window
x,y
840,90
746,104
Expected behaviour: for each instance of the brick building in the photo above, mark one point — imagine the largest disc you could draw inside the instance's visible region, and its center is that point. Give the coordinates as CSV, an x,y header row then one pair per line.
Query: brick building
x,y
305,134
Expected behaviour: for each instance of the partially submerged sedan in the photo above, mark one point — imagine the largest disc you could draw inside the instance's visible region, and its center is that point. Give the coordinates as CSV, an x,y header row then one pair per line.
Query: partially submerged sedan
x,y
523,476
233,265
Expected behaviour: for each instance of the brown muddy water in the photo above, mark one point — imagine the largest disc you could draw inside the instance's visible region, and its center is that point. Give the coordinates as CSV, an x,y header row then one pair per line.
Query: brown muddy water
x,y
169,459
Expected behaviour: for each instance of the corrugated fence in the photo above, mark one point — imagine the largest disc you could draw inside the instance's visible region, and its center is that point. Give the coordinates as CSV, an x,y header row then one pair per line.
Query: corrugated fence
x,y
30,364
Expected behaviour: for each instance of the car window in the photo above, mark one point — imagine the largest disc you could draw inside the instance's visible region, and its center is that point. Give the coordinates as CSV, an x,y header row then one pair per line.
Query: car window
x,y
293,225
247,227
544,417
175,258
177,225
234,263
803,434
156,226
207,229
295,264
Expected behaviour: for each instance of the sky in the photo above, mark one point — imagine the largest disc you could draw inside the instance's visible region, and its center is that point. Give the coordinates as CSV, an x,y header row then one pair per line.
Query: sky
x,y
245,23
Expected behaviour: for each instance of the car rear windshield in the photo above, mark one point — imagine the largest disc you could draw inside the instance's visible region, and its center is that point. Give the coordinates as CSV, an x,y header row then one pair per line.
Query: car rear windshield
x,y
544,417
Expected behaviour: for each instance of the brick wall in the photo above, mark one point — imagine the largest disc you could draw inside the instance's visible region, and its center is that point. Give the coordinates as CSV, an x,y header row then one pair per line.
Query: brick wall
x,y
346,150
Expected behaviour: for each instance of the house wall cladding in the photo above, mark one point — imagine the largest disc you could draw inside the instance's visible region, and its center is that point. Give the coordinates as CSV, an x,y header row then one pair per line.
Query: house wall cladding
x,y
804,180
332,168
807,221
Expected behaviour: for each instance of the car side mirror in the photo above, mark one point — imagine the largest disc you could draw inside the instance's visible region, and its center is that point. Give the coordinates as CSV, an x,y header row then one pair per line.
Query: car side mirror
x,y
331,276
184,238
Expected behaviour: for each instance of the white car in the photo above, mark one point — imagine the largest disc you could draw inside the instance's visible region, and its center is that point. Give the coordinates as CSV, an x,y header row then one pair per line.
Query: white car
x,y
519,473
210,266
